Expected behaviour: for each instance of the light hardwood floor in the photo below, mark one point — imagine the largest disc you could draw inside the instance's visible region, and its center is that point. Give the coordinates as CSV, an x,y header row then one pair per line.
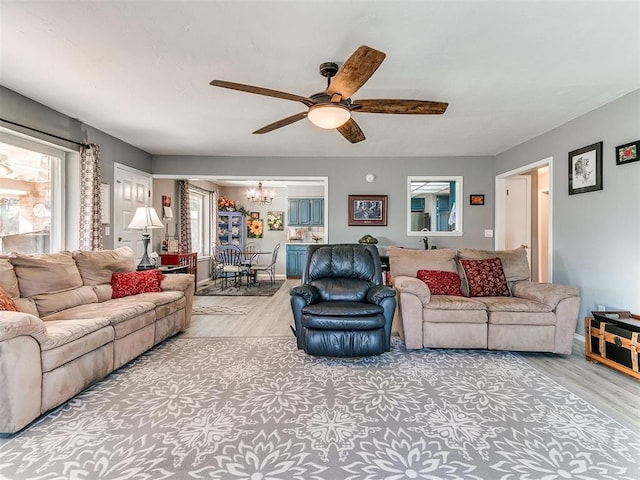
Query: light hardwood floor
x,y
612,392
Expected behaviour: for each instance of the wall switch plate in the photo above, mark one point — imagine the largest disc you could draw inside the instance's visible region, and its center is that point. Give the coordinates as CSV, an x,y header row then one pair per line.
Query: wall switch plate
x,y
488,233
602,308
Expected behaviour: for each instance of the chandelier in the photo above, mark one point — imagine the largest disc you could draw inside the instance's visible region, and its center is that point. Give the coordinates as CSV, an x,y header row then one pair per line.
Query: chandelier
x,y
258,196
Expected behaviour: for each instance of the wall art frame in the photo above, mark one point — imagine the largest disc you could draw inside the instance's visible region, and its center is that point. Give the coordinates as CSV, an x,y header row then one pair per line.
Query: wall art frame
x,y
585,169
367,210
627,153
476,199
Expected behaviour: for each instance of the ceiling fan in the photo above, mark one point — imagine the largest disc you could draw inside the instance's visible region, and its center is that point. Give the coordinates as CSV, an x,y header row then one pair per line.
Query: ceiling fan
x,y
333,107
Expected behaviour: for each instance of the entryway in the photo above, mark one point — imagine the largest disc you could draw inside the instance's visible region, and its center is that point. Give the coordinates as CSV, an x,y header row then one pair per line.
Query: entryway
x,y
523,215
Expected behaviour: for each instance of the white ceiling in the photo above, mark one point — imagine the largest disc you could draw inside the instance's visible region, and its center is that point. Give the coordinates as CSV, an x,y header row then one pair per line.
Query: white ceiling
x,y
140,70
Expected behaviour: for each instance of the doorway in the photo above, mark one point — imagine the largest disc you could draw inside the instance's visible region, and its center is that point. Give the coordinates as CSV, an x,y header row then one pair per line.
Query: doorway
x,y
523,215
132,189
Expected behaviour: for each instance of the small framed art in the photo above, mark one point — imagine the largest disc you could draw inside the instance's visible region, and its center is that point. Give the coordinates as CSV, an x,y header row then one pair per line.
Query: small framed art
x,y
585,169
627,153
476,199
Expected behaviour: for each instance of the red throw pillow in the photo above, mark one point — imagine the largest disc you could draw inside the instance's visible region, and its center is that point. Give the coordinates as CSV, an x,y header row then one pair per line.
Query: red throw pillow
x,y
124,284
441,282
6,302
485,278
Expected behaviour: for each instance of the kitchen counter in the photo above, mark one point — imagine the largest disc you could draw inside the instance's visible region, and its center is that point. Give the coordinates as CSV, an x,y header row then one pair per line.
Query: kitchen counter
x,y
307,243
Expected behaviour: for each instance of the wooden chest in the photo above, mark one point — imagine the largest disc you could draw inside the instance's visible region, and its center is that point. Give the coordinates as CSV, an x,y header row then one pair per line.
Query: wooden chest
x,y
614,341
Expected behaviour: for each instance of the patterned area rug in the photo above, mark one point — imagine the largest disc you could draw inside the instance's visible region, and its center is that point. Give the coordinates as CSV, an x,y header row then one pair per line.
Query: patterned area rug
x,y
221,309
263,289
258,408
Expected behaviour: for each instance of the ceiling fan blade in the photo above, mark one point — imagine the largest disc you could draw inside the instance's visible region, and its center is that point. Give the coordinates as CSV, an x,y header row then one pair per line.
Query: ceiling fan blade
x,y
411,107
351,131
262,91
356,71
282,123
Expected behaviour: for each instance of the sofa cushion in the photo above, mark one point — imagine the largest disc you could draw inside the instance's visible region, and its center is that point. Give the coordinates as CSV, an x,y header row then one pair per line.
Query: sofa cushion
x,y
405,261
514,304
514,262
115,311
8,279
485,277
440,282
96,268
70,350
6,302
56,302
342,309
70,339
125,284
39,273
452,302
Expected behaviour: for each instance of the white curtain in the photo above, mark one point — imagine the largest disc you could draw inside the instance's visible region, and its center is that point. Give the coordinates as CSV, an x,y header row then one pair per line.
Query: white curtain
x,y
90,207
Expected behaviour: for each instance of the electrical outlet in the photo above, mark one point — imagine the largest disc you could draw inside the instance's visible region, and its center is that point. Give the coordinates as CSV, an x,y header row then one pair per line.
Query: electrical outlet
x,y
488,233
602,308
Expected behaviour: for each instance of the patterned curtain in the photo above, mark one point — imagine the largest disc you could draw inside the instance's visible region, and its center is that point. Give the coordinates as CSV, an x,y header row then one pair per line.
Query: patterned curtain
x,y
213,224
90,208
185,216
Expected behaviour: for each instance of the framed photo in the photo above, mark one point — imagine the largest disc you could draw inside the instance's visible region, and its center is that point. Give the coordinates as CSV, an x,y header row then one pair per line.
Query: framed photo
x,y
275,220
173,245
476,199
255,215
627,153
585,169
368,210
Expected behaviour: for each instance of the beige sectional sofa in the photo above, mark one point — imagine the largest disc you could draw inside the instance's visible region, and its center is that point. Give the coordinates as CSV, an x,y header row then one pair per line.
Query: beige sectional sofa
x,y
69,332
537,317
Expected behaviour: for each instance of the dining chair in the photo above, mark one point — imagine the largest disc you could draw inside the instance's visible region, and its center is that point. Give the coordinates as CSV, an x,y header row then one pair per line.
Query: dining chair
x,y
230,258
269,268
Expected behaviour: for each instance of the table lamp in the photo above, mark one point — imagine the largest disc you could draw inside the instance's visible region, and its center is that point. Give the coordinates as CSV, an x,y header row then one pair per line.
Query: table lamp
x,y
145,218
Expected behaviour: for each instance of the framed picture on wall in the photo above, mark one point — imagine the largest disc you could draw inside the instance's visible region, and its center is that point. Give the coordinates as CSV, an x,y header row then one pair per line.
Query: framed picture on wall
x,y
585,169
627,153
476,199
367,210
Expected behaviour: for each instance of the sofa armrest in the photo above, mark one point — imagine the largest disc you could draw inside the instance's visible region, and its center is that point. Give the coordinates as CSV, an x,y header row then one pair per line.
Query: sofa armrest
x,y
548,293
16,324
378,293
412,286
177,281
308,292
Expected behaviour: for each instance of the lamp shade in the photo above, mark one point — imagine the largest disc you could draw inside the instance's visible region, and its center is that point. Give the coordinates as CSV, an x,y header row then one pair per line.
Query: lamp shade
x,y
328,115
145,218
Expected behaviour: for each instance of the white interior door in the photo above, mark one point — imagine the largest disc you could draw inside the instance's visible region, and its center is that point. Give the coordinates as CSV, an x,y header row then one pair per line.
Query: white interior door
x,y
513,219
132,188
518,212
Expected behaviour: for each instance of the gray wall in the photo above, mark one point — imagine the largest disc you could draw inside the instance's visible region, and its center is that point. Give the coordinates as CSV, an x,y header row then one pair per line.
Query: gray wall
x,y
17,108
346,176
596,235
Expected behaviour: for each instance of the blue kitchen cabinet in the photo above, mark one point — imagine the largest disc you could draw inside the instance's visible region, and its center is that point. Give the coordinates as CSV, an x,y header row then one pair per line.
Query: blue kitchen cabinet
x,y
296,260
306,212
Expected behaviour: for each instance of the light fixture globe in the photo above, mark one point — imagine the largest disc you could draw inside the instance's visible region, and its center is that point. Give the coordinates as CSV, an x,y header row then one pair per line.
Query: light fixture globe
x,y
328,115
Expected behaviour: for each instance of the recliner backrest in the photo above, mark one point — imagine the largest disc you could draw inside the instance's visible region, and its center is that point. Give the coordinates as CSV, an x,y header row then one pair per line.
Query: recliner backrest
x,y
343,271
342,289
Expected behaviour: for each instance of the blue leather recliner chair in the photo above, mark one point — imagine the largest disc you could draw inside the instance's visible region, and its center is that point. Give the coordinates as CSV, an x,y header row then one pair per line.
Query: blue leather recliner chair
x,y
342,309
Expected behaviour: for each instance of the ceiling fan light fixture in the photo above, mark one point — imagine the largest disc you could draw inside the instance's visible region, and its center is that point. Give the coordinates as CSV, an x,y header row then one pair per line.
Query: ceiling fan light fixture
x,y
328,116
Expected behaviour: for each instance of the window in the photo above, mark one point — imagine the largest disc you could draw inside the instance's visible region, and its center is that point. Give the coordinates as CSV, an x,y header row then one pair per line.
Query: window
x,y
199,214
31,208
